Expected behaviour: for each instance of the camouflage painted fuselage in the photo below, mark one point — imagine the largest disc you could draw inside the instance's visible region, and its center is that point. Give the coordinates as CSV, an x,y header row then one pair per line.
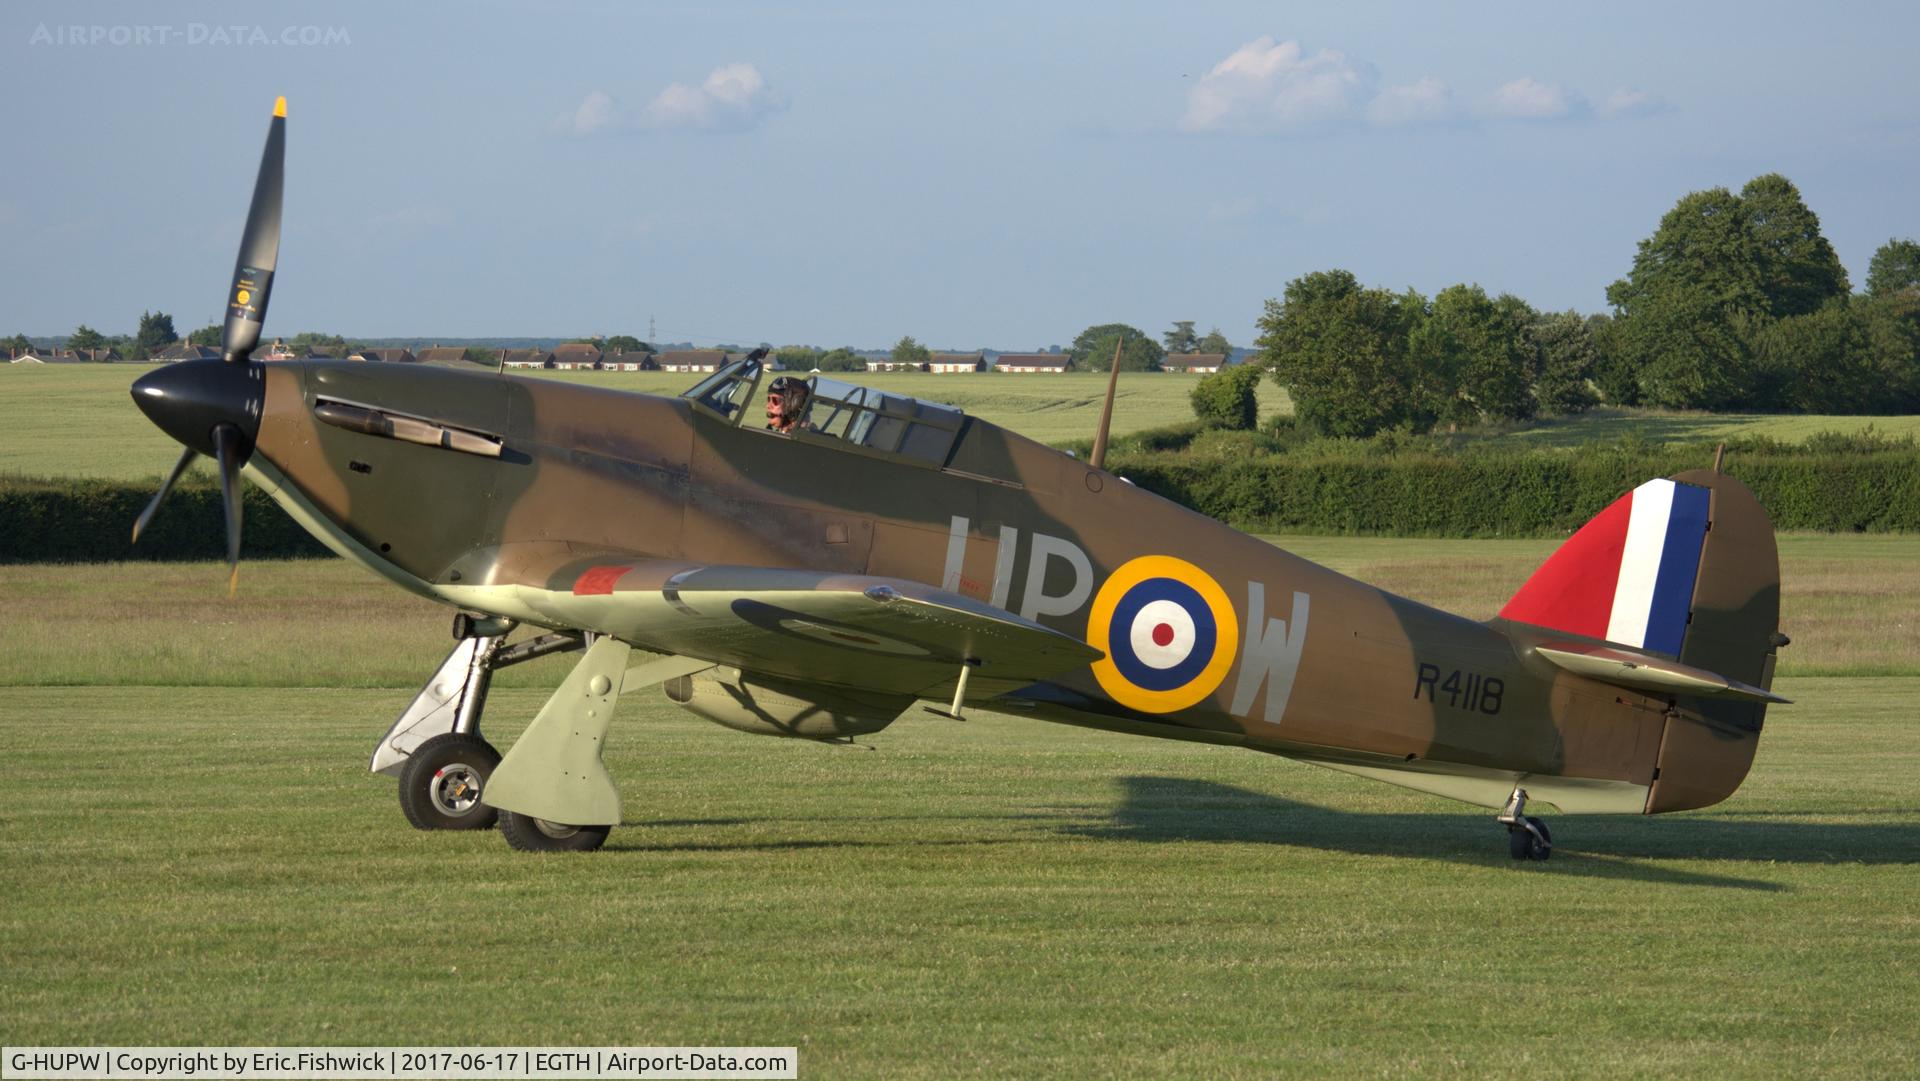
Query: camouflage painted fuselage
x,y
1281,655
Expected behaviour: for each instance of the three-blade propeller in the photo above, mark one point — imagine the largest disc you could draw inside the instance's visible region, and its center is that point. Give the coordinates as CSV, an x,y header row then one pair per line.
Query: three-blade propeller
x,y
214,406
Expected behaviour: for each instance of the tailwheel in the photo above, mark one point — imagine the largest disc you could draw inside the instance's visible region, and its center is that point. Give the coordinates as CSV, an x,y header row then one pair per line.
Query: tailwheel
x,y
441,782
529,834
1529,839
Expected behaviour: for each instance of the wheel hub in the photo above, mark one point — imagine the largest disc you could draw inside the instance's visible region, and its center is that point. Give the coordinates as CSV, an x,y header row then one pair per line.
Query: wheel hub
x,y
455,789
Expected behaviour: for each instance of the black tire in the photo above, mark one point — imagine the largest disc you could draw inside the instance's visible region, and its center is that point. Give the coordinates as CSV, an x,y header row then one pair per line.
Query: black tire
x,y
529,834
1523,845
1543,844
1519,843
441,783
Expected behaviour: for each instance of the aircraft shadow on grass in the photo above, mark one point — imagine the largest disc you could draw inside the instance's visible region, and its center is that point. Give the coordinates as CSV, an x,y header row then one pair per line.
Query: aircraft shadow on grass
x,y
1174,809
1160,809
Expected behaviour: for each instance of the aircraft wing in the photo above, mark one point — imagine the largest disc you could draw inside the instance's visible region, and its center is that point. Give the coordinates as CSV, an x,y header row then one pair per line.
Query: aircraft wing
x,y
1643,672
883,634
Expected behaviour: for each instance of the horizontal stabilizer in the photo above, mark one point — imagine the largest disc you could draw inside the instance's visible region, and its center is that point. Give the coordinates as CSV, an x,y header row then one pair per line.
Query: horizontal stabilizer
x,y
1643,672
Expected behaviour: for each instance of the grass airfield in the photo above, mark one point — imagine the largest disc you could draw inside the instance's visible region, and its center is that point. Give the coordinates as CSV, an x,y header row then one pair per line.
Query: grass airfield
x,y
212,864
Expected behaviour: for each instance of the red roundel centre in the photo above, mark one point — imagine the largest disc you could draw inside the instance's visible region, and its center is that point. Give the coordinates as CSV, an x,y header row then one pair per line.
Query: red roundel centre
x,y
1163,634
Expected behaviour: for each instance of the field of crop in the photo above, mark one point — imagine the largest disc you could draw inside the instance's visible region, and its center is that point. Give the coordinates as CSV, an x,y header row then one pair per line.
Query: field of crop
x,y
212,864
77,420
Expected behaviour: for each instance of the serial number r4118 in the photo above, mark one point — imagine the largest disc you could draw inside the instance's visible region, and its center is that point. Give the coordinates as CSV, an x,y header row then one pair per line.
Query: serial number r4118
x,y
1462,690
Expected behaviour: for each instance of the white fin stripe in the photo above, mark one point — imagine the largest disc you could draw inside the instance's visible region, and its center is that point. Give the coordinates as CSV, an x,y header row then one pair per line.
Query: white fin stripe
x,y
1640,563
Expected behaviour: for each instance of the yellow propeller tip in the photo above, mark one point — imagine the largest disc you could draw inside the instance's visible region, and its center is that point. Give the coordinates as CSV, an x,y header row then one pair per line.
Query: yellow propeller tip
x,y
233,582
280,107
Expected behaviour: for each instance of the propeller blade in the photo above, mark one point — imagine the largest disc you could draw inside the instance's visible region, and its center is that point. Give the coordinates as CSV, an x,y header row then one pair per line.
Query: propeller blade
x,y
259,247
229,444
146,516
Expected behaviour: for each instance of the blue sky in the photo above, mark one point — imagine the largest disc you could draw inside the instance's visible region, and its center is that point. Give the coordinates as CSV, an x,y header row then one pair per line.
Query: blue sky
x,y
973,175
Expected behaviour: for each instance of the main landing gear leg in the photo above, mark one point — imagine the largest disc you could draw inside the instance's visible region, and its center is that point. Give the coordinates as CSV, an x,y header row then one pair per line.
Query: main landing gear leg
x,y
1527,837
435,748
552,788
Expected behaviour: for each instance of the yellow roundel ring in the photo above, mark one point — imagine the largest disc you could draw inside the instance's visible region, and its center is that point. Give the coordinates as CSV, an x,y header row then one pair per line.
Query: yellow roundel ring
x,y
243,298
1168,632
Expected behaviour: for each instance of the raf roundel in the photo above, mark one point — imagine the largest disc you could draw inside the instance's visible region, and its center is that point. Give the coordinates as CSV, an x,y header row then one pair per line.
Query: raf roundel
x,y
1168,632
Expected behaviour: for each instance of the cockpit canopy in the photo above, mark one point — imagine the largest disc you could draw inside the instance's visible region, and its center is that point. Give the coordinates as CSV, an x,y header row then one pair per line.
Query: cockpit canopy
x,y
846,414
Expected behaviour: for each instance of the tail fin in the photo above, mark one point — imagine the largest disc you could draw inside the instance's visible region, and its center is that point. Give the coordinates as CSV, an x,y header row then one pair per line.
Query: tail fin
x,y
1685,568
1628,575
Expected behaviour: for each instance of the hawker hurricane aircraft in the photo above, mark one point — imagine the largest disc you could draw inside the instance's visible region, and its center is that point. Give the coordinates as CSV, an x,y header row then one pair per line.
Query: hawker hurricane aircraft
x,y
818,563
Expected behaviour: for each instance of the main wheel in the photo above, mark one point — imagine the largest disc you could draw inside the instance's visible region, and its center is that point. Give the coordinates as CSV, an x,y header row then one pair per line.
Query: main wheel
x,y
441,782
1523,845
530,834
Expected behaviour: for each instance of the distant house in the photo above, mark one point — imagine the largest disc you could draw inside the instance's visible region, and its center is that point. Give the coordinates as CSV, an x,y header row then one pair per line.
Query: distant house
x,y
1197,363
39,355
441,354
637,361
691,360
525,358
1021,363
888,364
384,356
97,356
950,363
182,350
576,356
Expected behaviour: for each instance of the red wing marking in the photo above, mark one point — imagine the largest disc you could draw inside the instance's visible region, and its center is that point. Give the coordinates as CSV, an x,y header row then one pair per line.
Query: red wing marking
x,y
598,581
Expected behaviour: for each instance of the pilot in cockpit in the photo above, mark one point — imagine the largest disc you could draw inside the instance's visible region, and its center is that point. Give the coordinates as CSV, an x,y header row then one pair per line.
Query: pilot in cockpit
x,y
787,401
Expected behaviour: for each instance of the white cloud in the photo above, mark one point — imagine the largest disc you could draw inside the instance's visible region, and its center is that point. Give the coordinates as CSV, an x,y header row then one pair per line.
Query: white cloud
x,y
1632,103
1424,102
1531,99
1268,87
733,97
1276,88
598,112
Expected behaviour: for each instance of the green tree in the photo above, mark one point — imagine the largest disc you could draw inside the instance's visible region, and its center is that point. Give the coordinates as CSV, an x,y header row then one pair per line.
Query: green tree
x,y
155,333
1613,372
85,337
1471,357
1566,356
1890,325
1819,363
908,351
843,359
1229,398
798,358
207,335
1215,342
1181,339
333,345
1895,269
1686,309
1092,351
1706,286
626,343
1798,268
1342,353
16,345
